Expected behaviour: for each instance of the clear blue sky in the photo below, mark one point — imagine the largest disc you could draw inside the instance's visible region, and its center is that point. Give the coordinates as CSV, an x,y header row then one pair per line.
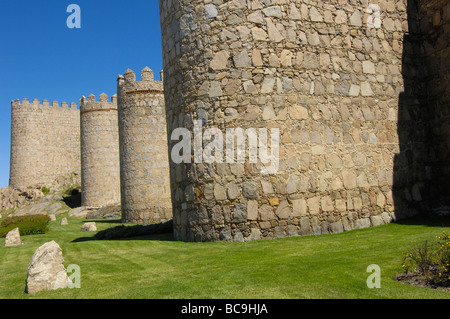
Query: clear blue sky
x,y
40,57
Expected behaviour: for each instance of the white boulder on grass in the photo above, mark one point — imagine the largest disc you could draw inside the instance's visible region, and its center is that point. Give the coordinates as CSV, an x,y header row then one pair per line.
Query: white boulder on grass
x,y
13,238
46,270
91,226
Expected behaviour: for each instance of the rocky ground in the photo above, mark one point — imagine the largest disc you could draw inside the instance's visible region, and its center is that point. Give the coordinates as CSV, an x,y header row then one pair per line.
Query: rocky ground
x,y
13,198
32,201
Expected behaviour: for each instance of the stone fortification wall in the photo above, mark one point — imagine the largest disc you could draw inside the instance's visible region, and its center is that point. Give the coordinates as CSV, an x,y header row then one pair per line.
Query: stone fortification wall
x,y
422,169
145,187
327,74
434,59
45,144
100,162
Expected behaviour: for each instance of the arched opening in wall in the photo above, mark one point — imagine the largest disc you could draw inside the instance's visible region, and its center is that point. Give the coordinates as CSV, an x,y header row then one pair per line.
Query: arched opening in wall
x,y
72,198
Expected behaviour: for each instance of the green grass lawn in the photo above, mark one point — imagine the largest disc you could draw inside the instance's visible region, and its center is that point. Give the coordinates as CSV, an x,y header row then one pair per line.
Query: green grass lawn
x,y
156,267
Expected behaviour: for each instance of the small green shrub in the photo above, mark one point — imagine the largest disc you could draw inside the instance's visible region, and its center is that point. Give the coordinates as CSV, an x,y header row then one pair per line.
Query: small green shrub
x,y
419,258
28,225
45,190
430,262
443,258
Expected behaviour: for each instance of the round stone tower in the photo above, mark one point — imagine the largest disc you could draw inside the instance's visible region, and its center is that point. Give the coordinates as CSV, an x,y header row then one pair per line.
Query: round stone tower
x,y
145,181
45,144
290,107
100,163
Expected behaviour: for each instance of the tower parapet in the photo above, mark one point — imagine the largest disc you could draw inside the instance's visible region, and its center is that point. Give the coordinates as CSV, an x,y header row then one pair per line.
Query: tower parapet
x,y
36,103
100,163
146,84
145,187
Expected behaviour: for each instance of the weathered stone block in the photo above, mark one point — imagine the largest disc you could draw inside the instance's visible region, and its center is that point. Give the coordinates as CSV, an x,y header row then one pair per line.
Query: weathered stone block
x,y
305,226
349,179
252,210
46,269
292,230
225,234
250,190
299,207
255,234
355,19
220,60
283,211
220,192
210,11
368,67
337,227
315,15
258,34
298,112
240,213
327,204
376,220
242,60
274,201
266,212
267,187
238,237
279,232
362,223
91,226
13,238
233,190
314,205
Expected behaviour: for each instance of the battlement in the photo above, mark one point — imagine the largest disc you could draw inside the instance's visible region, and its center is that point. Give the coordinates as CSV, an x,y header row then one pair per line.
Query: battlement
x,y
147,83
45,103
90,103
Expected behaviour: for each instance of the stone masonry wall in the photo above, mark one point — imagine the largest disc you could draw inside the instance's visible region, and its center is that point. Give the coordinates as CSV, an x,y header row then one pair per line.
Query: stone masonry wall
x,y
100,162
145,186
45,144
434,21
327,74
421,178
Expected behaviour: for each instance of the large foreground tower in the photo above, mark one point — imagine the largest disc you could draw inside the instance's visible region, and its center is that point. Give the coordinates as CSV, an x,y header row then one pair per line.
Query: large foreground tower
x,y
325,75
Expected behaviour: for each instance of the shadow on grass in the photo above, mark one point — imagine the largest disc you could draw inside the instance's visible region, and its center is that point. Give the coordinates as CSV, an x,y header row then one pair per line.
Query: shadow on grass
x,y
426,220
164,231
156,237
105,221
160,232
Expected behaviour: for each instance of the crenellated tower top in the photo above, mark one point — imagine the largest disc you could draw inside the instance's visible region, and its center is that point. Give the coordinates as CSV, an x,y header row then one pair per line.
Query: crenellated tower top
x,y
91,104
36,104
147,83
